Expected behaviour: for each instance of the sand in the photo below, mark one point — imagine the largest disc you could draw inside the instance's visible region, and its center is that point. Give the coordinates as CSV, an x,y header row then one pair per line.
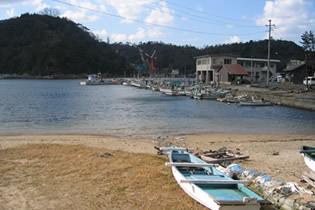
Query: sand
x,y
274,155
62,171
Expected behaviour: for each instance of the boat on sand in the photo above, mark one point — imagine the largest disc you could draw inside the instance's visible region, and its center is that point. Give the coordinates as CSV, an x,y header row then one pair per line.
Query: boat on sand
x,y
209,186
309,156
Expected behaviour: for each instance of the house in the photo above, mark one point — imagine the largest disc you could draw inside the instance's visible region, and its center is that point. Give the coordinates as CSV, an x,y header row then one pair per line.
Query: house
x,y
231,73
296,71
257,68
208,65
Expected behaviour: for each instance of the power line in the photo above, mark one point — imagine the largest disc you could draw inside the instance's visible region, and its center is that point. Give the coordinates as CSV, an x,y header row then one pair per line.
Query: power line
x,y
209,14
154,24
202,19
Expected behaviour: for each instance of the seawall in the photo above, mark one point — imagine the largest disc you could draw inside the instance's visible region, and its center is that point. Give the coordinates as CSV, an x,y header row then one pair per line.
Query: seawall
x,y
297,98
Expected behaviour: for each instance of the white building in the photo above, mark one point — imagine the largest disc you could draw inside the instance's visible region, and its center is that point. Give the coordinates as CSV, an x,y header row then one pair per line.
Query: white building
x,y
207,67
257,68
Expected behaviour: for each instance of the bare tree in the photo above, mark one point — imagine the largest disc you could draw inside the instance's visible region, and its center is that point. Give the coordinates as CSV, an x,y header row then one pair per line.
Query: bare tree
x,y
50,11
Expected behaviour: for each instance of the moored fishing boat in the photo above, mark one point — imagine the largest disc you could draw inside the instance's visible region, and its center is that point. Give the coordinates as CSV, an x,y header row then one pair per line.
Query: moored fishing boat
x,y
209,186
309,156
94,79
255,102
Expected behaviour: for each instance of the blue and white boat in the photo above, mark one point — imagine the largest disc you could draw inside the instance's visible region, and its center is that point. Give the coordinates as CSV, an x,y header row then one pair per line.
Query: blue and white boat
x,y
309,156
209,186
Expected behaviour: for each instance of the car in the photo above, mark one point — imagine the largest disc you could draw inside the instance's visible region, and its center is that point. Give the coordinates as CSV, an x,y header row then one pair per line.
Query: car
x,y
310,81
280,78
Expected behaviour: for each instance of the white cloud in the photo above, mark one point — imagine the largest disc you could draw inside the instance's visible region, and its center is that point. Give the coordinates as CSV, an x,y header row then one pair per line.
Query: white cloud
x,y
155,32
141,34
137,36
129,9
232,39
8,3
102,33
84,4
10,12
161,16
82,14
289,16
79,16
119,37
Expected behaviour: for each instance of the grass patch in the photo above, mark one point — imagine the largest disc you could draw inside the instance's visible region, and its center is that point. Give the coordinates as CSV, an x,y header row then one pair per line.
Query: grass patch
x,y
49,176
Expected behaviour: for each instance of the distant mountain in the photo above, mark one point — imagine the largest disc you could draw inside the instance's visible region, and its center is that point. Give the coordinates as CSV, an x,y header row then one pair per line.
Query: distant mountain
x,y
41,45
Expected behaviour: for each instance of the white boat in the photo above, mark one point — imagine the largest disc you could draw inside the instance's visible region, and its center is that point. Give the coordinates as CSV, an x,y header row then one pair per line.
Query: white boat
x,y
309,156
209,186
170,92
155,88
94,79
255,102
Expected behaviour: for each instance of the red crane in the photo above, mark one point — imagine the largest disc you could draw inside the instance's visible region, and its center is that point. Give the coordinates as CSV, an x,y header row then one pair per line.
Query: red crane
x,y
151,67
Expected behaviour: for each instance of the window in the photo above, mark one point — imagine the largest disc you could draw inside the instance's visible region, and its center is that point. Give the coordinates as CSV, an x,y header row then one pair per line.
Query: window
x,y
227,61
204,61
199,62
214,61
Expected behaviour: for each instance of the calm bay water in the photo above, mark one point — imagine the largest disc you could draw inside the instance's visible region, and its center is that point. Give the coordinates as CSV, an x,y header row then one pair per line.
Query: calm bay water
x,y
65,107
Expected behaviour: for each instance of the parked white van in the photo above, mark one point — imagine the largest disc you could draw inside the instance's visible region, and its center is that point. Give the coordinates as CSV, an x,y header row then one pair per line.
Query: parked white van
x,y
310,81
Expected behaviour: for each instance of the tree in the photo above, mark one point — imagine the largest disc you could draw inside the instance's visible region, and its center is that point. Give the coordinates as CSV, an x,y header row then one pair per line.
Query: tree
x,y
50,11
308,41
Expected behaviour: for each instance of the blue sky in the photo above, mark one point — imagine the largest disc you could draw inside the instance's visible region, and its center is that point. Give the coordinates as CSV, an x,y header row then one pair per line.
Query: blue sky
x,y
180,22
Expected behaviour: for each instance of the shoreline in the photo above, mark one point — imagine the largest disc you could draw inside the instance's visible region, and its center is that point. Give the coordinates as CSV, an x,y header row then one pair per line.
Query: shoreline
x,y
274,154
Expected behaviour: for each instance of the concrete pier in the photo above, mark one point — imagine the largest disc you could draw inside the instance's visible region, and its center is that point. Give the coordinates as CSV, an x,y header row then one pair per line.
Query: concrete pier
x,y
293,97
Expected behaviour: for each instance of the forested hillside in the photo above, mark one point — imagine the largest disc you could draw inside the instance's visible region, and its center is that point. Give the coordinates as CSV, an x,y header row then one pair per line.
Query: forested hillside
x,y
182,57
46,45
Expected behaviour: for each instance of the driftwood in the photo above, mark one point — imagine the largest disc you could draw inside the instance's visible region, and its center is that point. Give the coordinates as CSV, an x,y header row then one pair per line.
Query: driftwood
x,y
222,155
220,160
309,178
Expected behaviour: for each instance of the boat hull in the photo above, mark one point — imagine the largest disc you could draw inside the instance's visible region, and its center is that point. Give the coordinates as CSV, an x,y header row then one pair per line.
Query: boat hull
x,y
309,156
255,103
205,199
215,192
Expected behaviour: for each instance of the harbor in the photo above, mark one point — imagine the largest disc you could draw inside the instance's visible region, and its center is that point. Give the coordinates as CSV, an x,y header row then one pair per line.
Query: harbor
x,y
285,95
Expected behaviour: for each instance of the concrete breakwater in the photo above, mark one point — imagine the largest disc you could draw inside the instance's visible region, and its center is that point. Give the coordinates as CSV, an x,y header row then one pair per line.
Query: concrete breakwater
x,y
297,98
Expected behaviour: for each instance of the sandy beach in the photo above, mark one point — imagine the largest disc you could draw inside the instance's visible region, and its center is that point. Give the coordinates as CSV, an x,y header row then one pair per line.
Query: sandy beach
x,y
64,172
275,155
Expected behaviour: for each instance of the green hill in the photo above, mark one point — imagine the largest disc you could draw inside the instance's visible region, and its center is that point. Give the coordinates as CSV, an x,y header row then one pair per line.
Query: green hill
x,y
41,45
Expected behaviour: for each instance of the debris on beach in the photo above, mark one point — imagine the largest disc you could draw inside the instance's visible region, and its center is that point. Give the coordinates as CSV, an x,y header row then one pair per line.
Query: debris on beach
x,y
105,155
166,150
222,156
309,178
180,138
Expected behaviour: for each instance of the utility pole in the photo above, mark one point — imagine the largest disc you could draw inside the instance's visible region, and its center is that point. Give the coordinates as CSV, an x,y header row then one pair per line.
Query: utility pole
x,y
268,69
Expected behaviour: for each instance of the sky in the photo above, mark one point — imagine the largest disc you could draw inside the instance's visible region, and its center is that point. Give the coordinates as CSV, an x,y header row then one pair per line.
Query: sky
x,y
197,23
